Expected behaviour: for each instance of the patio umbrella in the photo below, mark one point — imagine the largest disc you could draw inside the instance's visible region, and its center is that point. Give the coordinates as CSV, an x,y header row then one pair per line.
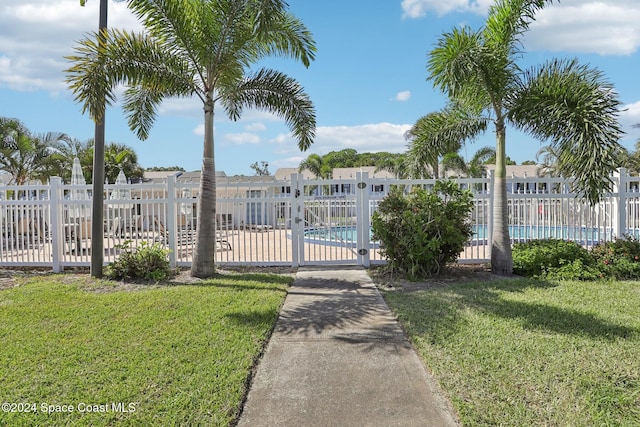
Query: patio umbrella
x,y
121,193
120,212
77,210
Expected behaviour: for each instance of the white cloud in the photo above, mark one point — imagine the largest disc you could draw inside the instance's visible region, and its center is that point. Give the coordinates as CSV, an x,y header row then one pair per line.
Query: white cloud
x,y
199,130
255,127
287,162
181,107
629,116
37,34
241,138
420,8
403,96
605,27
364,138
587,26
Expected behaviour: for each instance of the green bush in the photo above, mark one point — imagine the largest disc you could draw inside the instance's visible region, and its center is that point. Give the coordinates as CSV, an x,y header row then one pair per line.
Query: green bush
x,y
619,259
147,262
424,230
554,259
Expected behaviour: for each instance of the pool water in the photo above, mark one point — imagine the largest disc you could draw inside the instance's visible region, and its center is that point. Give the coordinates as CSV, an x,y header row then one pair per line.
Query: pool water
x,y
480,233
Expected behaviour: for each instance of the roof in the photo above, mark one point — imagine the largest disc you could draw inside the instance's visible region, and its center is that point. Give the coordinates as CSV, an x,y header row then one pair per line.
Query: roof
x,y
519,170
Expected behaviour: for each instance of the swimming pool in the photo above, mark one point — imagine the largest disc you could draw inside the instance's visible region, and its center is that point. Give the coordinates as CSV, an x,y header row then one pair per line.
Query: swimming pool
x,y
347,236
344,236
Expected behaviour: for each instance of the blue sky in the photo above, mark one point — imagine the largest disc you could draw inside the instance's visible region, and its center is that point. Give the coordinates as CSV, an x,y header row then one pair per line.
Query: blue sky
x,y
368,82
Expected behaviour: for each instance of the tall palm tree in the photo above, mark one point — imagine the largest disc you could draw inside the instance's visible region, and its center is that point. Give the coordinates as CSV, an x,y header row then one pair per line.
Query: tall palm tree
x,y
199,48
97,213
562,101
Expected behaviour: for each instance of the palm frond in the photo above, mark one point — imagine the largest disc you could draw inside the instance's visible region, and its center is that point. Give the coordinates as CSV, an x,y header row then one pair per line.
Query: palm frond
x,y
508,20
289,37
277,93
132,59
452,64
445,130
577,109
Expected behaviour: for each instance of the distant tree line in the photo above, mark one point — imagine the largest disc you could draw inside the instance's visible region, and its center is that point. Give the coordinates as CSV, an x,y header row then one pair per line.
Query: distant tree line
x,y
449,163
399,164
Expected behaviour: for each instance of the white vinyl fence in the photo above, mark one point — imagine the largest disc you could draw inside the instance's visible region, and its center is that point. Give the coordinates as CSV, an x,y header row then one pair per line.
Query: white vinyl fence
x,y
290,222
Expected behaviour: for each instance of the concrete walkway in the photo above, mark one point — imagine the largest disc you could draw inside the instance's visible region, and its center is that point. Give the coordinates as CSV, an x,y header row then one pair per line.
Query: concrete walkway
x,y
338,357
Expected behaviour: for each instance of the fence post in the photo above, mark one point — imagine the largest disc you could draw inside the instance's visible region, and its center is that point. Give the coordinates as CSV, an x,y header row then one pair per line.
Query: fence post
x,y
490,190
172,231
620,194
363,221
297,220
56,223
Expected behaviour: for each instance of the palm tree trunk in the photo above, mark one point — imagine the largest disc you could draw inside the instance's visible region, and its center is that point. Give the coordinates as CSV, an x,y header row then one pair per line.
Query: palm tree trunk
x,y
203,264
501,257
97,203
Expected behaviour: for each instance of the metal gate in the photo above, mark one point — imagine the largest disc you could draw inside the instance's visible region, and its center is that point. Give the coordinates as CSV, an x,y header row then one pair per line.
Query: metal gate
x,y
330,221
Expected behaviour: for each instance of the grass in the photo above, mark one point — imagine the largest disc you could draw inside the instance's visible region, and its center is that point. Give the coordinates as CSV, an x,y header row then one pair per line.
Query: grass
x,y
526,352
169,355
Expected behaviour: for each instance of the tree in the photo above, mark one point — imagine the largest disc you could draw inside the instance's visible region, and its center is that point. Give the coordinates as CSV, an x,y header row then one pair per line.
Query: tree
x,y
394,163
119,157
60,160
261,169
314,164
205,49
475,168
347,158
547,157
436,134
562,101
507,161
23,155
97,212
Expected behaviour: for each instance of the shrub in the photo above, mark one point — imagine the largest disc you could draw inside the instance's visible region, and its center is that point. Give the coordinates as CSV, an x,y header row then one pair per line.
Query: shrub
x,y
619,259
554,259
147,262
424,230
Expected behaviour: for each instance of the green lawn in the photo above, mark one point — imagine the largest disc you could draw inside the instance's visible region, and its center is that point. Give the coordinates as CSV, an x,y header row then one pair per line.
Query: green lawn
x,y
168,355
531,353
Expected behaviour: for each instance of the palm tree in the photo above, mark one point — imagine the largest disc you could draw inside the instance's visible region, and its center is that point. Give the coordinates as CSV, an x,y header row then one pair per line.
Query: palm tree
x,y
97,213
119,157
438,133
547,158
23,155
314,164
475,168
562,101
397,164
61,155
201,48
